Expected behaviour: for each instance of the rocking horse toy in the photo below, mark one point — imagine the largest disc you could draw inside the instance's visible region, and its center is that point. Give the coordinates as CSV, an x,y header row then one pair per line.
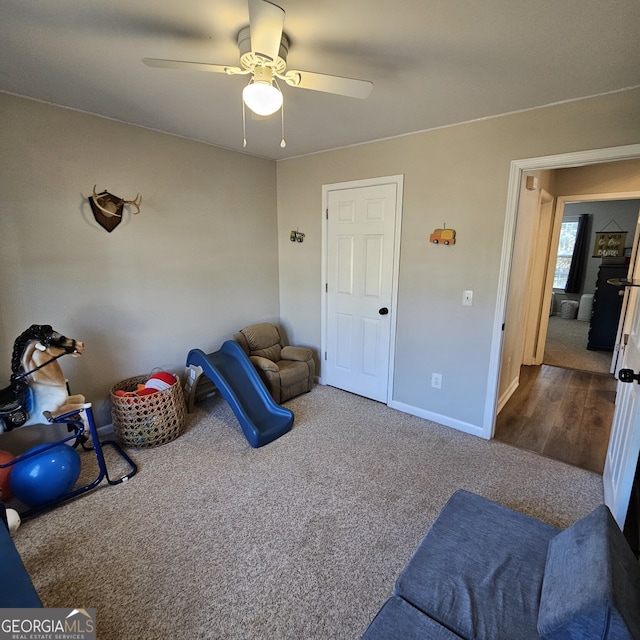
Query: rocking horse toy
x,y
37,382
38,394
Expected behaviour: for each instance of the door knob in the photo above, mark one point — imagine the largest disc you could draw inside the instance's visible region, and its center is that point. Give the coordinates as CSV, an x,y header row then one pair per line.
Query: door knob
x,y
627,375
383,311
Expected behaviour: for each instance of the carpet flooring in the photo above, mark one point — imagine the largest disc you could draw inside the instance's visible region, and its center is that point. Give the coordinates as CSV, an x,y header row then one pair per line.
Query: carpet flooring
x,y
566,347
302,539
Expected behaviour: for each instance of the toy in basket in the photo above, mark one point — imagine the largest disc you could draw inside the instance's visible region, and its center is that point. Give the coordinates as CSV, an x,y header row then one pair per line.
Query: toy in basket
x,y
148,411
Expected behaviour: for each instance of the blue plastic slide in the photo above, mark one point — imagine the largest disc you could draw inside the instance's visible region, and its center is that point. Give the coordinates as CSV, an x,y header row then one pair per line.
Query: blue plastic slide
x,y
261,418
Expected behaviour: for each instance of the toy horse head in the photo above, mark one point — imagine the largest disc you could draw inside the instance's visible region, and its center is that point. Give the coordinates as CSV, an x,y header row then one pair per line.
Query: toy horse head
x,y
35,363
52,341
43,338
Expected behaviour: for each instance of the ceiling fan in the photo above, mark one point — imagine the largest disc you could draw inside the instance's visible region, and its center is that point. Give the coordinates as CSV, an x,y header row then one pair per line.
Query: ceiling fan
x,y
263,49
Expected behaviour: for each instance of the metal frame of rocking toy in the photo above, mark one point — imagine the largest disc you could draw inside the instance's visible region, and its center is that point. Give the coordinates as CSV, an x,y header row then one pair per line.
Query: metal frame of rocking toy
x,y
74,421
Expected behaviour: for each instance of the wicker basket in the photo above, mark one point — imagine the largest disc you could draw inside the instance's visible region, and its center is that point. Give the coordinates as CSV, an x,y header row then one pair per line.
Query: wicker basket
x,y
147,421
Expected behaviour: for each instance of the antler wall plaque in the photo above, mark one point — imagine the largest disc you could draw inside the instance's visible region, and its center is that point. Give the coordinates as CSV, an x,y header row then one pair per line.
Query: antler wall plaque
x,y
107,208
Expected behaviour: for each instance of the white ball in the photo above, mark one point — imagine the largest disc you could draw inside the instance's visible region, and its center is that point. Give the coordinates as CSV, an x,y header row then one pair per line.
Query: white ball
x,y
13,520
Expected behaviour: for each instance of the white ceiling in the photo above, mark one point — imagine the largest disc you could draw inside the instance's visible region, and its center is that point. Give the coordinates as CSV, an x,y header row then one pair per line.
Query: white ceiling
x,y
432,62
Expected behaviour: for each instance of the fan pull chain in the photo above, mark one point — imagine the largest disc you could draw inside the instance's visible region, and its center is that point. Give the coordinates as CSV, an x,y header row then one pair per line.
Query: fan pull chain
x,y
283,144
244,127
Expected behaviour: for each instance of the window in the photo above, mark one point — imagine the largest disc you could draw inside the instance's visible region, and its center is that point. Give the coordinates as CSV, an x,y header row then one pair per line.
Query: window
x,y
568,232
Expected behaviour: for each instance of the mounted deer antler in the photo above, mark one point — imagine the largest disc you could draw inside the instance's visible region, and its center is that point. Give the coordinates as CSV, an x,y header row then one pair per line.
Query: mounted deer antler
x,y
135,202
107,208
111,205
104,200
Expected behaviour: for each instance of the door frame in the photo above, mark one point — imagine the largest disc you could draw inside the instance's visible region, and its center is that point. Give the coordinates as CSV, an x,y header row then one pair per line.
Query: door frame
x,y
518,167
398,180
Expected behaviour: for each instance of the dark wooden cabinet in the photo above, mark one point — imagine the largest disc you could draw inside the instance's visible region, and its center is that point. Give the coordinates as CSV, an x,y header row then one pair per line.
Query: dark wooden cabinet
x,y
607,305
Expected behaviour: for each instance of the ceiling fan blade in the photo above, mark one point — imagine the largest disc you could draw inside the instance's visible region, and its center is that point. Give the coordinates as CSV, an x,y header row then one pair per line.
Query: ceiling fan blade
x,y
349,87
266,21
191,66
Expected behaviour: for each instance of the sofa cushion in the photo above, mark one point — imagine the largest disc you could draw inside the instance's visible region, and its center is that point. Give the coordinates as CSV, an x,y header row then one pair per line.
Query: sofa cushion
x,y
479,569
398,620
591,586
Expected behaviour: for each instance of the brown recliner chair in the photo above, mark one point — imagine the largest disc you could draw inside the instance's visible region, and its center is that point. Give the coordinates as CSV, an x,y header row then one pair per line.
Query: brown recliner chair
x,y
287,371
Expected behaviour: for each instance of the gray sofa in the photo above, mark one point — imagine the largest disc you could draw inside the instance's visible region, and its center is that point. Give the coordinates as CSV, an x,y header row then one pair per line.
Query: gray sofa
x,y
486,572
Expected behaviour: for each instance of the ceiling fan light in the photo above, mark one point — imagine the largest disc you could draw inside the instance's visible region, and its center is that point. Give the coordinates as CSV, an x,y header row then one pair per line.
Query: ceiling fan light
x,y
262,98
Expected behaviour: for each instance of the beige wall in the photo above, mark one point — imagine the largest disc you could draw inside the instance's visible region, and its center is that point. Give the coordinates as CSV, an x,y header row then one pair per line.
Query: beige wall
x,y
197,264
609,177
210,251
458,175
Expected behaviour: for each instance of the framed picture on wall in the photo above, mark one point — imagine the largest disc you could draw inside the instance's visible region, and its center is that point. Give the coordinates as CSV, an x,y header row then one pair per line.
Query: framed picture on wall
x,y
609,244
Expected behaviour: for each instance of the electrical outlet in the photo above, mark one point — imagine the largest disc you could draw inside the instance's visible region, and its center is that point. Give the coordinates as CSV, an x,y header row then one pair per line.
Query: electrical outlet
x,y
436,380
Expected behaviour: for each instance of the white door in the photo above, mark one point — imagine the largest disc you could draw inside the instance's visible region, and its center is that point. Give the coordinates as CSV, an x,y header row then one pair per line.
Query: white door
x,y
628,305
361,228
540,281
624,442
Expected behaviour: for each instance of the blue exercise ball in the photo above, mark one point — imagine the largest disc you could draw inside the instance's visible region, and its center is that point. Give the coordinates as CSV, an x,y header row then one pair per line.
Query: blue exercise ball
x,y
45,476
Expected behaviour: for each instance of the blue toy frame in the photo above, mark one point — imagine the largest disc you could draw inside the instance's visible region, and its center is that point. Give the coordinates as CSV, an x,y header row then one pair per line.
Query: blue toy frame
x,y
74,421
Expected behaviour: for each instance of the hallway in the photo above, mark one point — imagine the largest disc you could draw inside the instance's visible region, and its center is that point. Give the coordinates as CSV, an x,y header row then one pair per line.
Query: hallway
x,y
560,413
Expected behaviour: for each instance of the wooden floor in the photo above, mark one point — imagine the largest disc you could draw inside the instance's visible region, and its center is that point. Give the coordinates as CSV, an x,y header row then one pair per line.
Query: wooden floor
x,y
563,414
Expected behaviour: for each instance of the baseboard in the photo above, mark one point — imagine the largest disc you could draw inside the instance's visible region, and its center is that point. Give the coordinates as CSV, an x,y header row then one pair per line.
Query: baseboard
x,y
459,425
506,396
105,431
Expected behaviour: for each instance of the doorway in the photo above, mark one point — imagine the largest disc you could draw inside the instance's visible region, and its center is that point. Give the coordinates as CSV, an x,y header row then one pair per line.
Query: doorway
x,y
621,458
564,401
581,335
584,173
361,254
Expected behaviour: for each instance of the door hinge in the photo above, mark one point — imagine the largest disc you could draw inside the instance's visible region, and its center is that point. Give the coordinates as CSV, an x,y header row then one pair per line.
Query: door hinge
x,y
326,287
326,212
325,355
